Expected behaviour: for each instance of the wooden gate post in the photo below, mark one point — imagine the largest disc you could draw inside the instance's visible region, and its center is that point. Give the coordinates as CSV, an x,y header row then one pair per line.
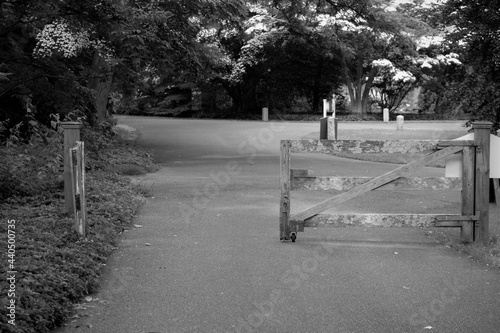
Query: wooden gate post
x,y
71,136
468,188
285,189
482,131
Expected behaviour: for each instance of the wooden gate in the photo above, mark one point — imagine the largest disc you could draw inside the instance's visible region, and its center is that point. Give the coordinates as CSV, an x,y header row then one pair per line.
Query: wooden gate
x,y
474,183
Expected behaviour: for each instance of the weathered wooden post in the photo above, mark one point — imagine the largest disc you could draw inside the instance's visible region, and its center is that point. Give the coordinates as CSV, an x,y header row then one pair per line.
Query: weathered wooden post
x,y
71,136
285,189
265,114
323,128
468,188
482,131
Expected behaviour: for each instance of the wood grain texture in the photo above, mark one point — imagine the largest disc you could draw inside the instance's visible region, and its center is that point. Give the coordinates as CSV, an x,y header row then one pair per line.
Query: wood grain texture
x,y
347,183
285,189
468,181
373,220
363,146
482,140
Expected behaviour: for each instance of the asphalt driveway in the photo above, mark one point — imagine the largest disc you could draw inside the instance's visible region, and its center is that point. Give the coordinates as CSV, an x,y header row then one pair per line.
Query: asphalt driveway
x,y
205,256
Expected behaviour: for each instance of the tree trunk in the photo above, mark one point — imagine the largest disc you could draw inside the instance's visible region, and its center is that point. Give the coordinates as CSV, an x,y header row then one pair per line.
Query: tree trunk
x,y
100,83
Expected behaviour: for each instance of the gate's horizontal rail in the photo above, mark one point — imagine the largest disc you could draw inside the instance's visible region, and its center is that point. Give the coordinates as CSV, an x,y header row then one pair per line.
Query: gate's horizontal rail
x,y
363,146
384,220
348,183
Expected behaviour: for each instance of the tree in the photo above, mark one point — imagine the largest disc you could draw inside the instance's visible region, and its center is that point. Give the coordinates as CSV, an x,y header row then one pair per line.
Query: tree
x,y
359,33
264,62
67,55
391,83
474,33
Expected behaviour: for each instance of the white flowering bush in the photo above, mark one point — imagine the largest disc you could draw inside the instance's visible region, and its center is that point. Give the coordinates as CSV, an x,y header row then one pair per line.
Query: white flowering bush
x,y
388,73
57,38
391,83
439,60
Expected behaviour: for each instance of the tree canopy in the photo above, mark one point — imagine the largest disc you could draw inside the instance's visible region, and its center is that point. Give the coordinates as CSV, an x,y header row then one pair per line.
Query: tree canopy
x,y
65,58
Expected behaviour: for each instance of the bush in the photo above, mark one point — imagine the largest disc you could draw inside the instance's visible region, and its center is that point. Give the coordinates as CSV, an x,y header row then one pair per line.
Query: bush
x,y
57,267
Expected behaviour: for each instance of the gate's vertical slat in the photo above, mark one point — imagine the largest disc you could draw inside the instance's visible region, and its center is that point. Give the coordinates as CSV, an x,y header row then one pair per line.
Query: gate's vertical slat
x,y
83,192
285,189
468,158
482,131
79,189
72,172
80,179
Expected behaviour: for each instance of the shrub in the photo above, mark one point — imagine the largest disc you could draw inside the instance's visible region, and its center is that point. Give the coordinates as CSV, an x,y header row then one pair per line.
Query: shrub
x,y
56,267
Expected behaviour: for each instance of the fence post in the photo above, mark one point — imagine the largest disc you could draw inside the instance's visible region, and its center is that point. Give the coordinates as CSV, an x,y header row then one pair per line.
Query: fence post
x,y
323,128
482,131
265,114
332,128
285,189
71,136
468,164
78,177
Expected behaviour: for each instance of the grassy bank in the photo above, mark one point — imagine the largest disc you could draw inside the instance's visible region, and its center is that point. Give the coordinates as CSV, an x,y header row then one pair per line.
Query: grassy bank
x,y
55,267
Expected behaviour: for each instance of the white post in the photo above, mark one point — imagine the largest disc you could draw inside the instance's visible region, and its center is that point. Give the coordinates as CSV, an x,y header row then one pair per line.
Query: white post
x,y
400,120
333,107
265,114
325,107
386,115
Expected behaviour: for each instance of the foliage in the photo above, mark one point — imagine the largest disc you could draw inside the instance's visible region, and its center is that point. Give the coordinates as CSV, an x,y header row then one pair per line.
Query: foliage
x,y
58,267
393,84
68,56
473,31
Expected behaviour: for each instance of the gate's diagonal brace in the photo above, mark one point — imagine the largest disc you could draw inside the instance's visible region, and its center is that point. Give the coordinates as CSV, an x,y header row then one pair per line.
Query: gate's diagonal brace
x,y
376,182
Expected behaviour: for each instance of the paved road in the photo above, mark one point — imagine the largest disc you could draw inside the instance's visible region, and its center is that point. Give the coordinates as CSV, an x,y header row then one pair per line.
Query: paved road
x,y
206,255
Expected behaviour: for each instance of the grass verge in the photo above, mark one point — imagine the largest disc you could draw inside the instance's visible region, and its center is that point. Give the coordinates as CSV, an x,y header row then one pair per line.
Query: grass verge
x,y
55,267
486,254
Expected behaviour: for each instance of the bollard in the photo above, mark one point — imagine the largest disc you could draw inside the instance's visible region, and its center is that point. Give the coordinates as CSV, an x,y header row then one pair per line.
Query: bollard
x,y
386,115
400,120
325,108
71,136
323,128
332,128
265,114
